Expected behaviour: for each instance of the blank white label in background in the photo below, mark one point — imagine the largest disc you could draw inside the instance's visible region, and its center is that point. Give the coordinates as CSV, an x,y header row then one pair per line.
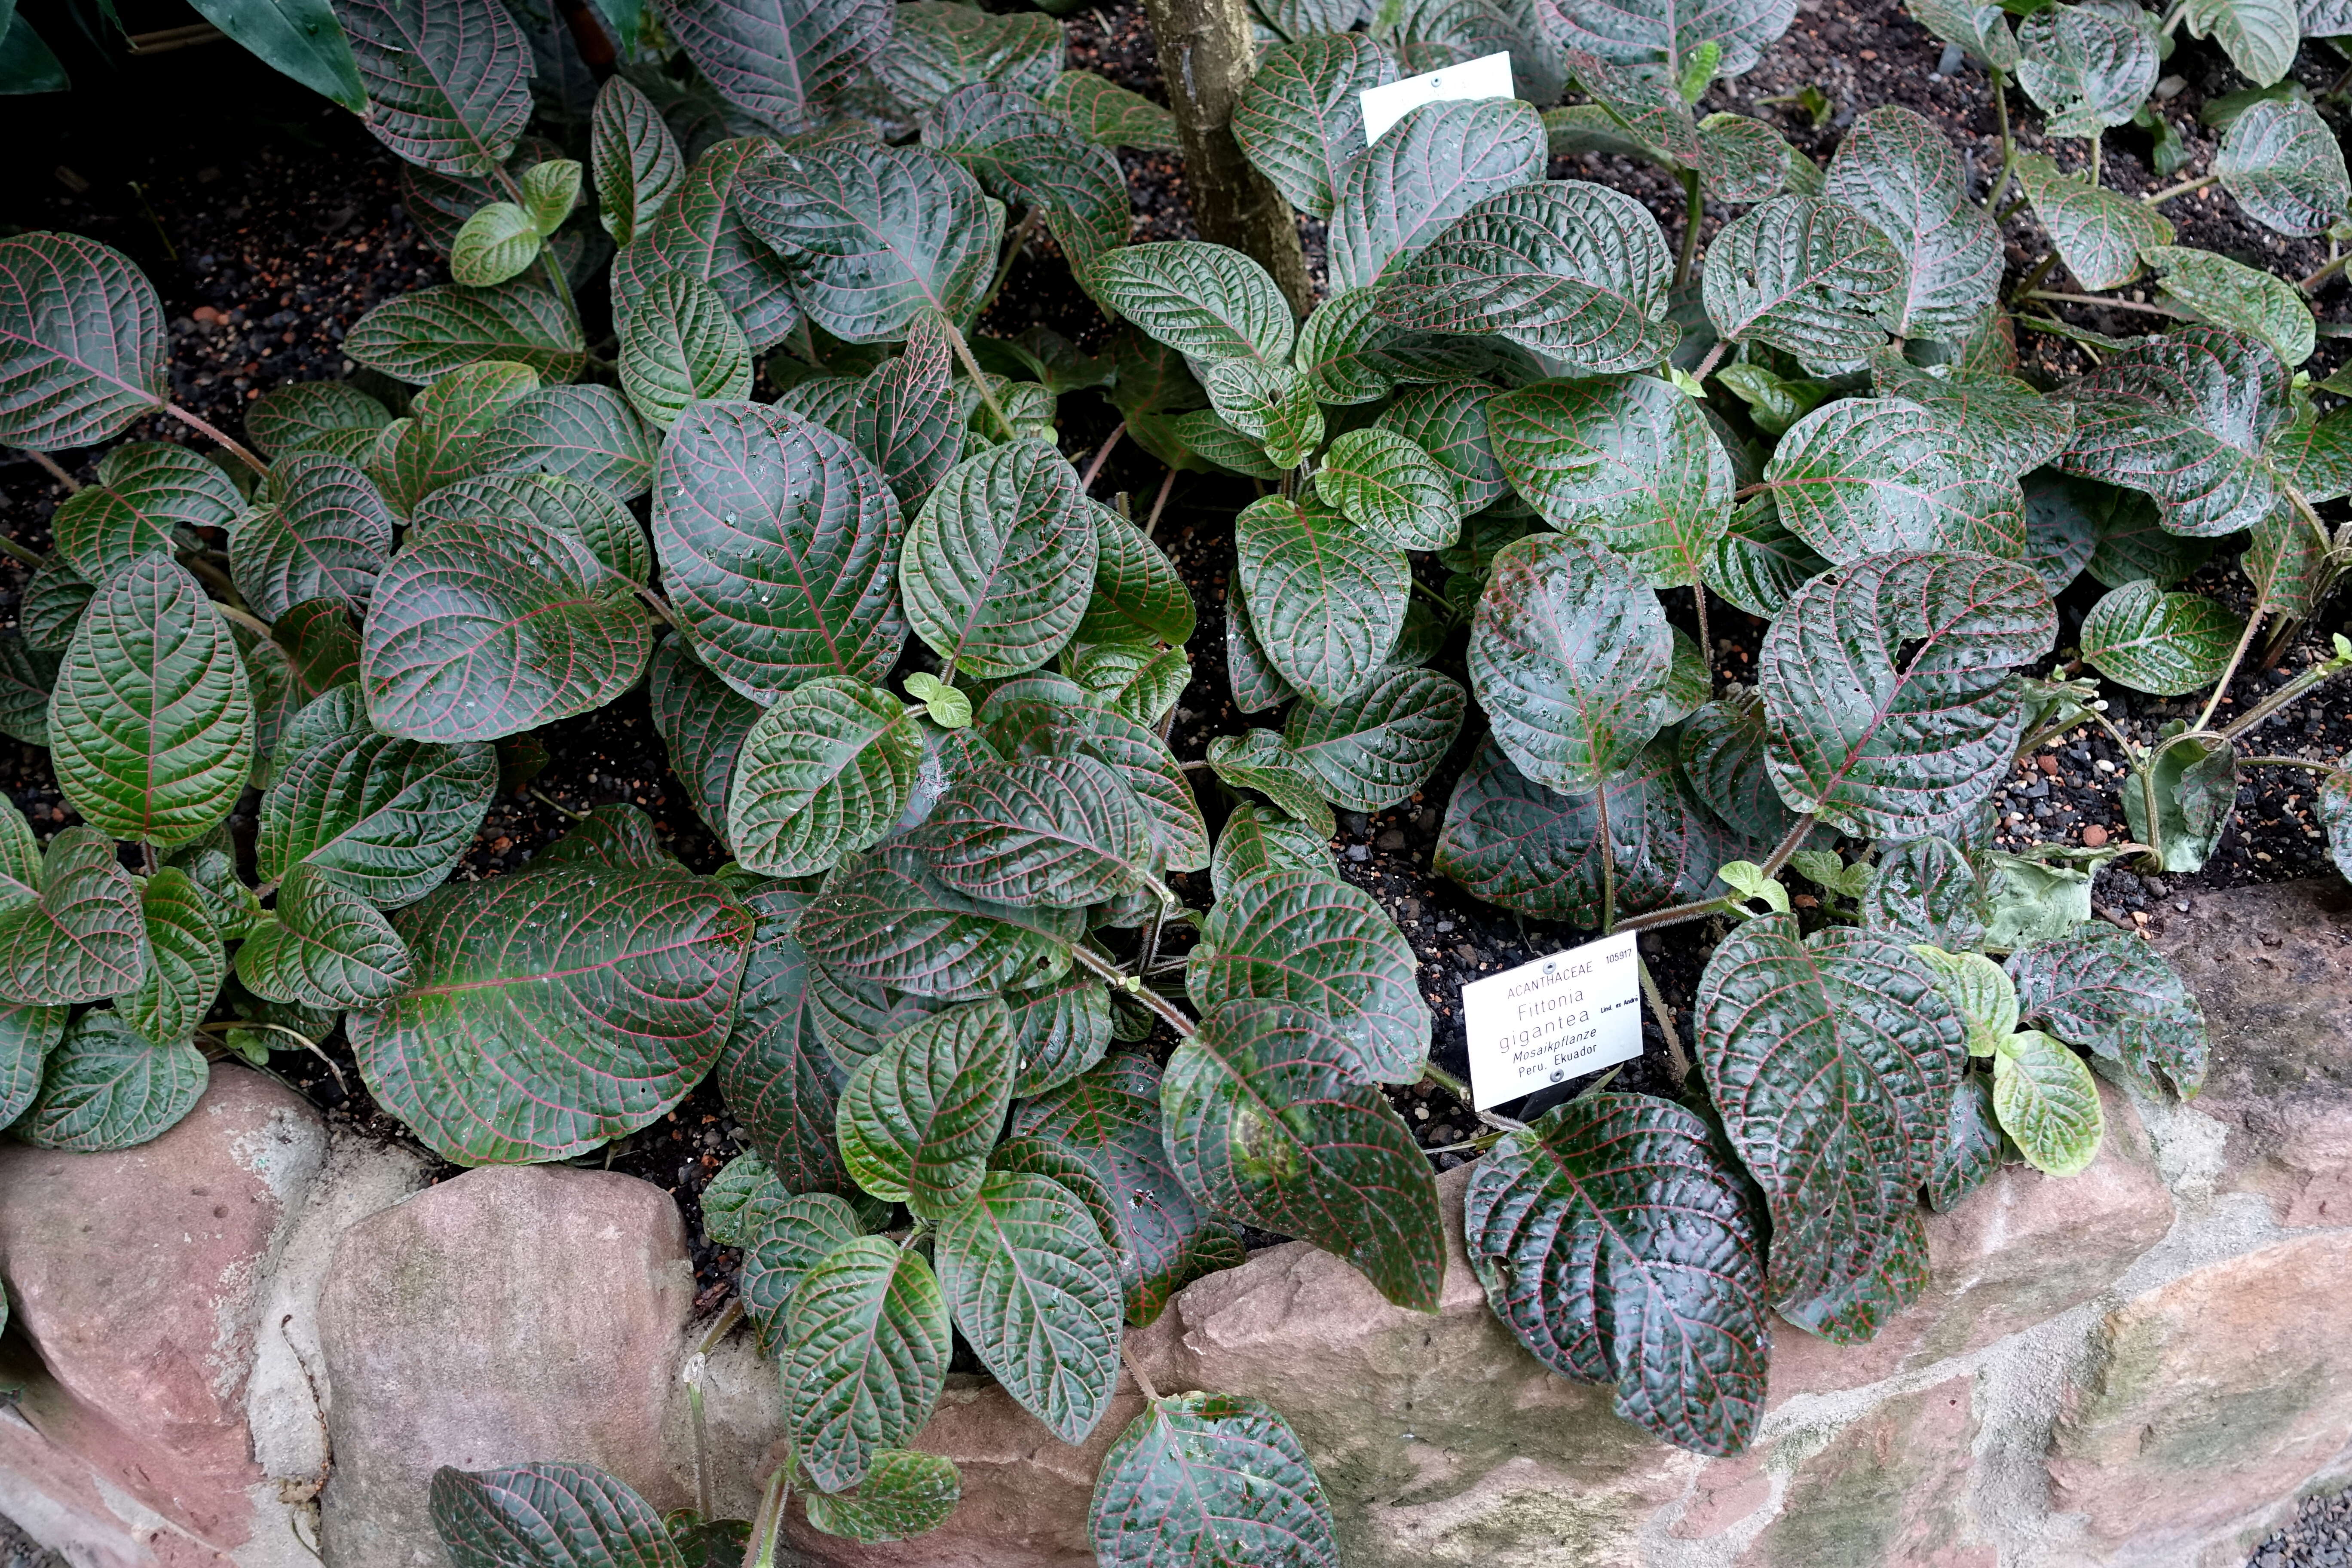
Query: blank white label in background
x,y
1489,76
1556,1019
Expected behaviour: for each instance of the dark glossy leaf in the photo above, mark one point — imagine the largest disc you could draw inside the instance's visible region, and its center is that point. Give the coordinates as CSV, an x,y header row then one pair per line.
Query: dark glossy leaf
x,y
447,83
1255,840
327,947
1300,117
555,1007
1832,1062
1256,684
936,48
703,722
83,344
311,415
1640,31
1139,596
2287,561
496,244
27,1034
566,505
1926,892
103,1088
1626,463
1431,168
547,1516
1111,116
2226,293
1534,850
1304,937
701,231
1890,700
490,627
187,965
2011,424
1618,1245
27,675
680,344
1866,476
905,1493
1268,1122
886,920
2282,163
825,772
1391,489
1326,599
1262,761
1109,1121
1273,405
783,1237
1722,755
2112,995
919,1116
778,58
1375,748
1806,274
583,433
1971,1147
997,569
145,491
1036,1294
325,534
151,722
1756,563
634,158
2186,418
2089,65
1900,172
440,442
1064,832
1060,1031
2131,540
2165,644
1199,1479
424,335
1027,155
776,1080
1204,435
387,818
1569,654
1207,301
905,421
1449,422
1746,161
70,924
868,1356
2097,233
1980,29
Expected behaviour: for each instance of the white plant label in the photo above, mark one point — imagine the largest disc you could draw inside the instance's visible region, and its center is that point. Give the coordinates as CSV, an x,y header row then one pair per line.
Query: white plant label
x,y
1489,76
1557,1017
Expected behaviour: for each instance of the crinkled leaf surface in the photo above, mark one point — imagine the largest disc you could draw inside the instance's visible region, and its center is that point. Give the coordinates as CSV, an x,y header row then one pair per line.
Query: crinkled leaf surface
x,y
701,230
633,158
936,48
1300,117
1639,31
327,947
868,1356
1391,489
703,722
325,533
83,345
1273,405
449,83
776,1078
885,920
547,1516
1108,114
826,771
2015,426
2283,165
2164,644
27,1034
905,418
1866,476
1140,756
1374,750
778,58
2230,294
1326,599
104,1087
2186,418
78,935
584,433
1261,759
1806,274
146,489
2089,65
997,570
1208,303
783,1237
1448,421
2112,995
1428,170
440,441
680,344
1139,596
426,335
2097,233
188,960
2260,36
1926,892
919,1116
1064,832
1900,172
302,415
1197,1477
1618,1246
2048,1103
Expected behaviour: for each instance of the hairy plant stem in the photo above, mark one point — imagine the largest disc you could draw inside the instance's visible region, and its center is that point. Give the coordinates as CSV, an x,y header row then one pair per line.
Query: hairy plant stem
x,y
1432,1073
2110,304
2096,148
55,471
1102,454
1694,214
308,1044
2230,670
250,622
2155,198
1706,643
2007,145
2317,767
972,368
1607,860
1678,915
660,606
1714,357
1102,968
234,449
767,1523
17,551
548,800
2327,670
694,1366
1677,1062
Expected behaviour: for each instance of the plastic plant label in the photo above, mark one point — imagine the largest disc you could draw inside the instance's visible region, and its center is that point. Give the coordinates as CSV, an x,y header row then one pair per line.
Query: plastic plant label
x,y
1552,1019
1488,75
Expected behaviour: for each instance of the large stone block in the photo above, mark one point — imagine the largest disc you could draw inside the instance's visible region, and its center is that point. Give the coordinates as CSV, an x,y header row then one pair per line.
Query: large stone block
x,y
138,1280
516,1313
2019,1251
2210,1399
2272,966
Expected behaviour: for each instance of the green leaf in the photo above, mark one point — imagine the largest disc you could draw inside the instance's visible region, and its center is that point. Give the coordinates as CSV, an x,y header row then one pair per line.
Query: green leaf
x,y
299,37
1139,596
868,1357
1449,422
777,583
103,1088
1890,700
877,235
2089,65
2283,166
1256,840
1374,750
387,818
1746,161
905,418
1140,756
783,1237
440,442
1431,167
1037,1294
1062,832
1200,1477
2260,36
27,675
583,433
1108,1120
1618,1244
636,160
905,1493
1901,173
2130,540
328,947
1832,1062
1026,155
1268,1122
885,920
2031,900
145,491
1569,654
325,533
490,627
1755,562
26,64
2048,1103
1534,850
550,189
2014,426
997,568
1206,302
448,86
555,1007
2110,993
779,61
1979,990
1646,109
424,335
83,344
2227,294
2097,233
1111,116
1059,1031
1722,749
936,47
1645,31
826,771
70,923
2186,418
1304,937
774,1078
1926,892
701,231
1206,444
1326,599
1256,684
1982,30
727,1200
2164,644
151,722
1300,117
308,416
1629,464
27,1034
565,505
1391,489
188,960
499,242
1806,274
1971,1149
1261,759
1273,405
547,1516
680,345
1864,476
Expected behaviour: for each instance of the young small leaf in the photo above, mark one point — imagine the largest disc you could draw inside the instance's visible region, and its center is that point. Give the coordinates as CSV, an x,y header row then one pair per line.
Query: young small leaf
x,y
2048,1103
905,1493
2164,644
635,159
